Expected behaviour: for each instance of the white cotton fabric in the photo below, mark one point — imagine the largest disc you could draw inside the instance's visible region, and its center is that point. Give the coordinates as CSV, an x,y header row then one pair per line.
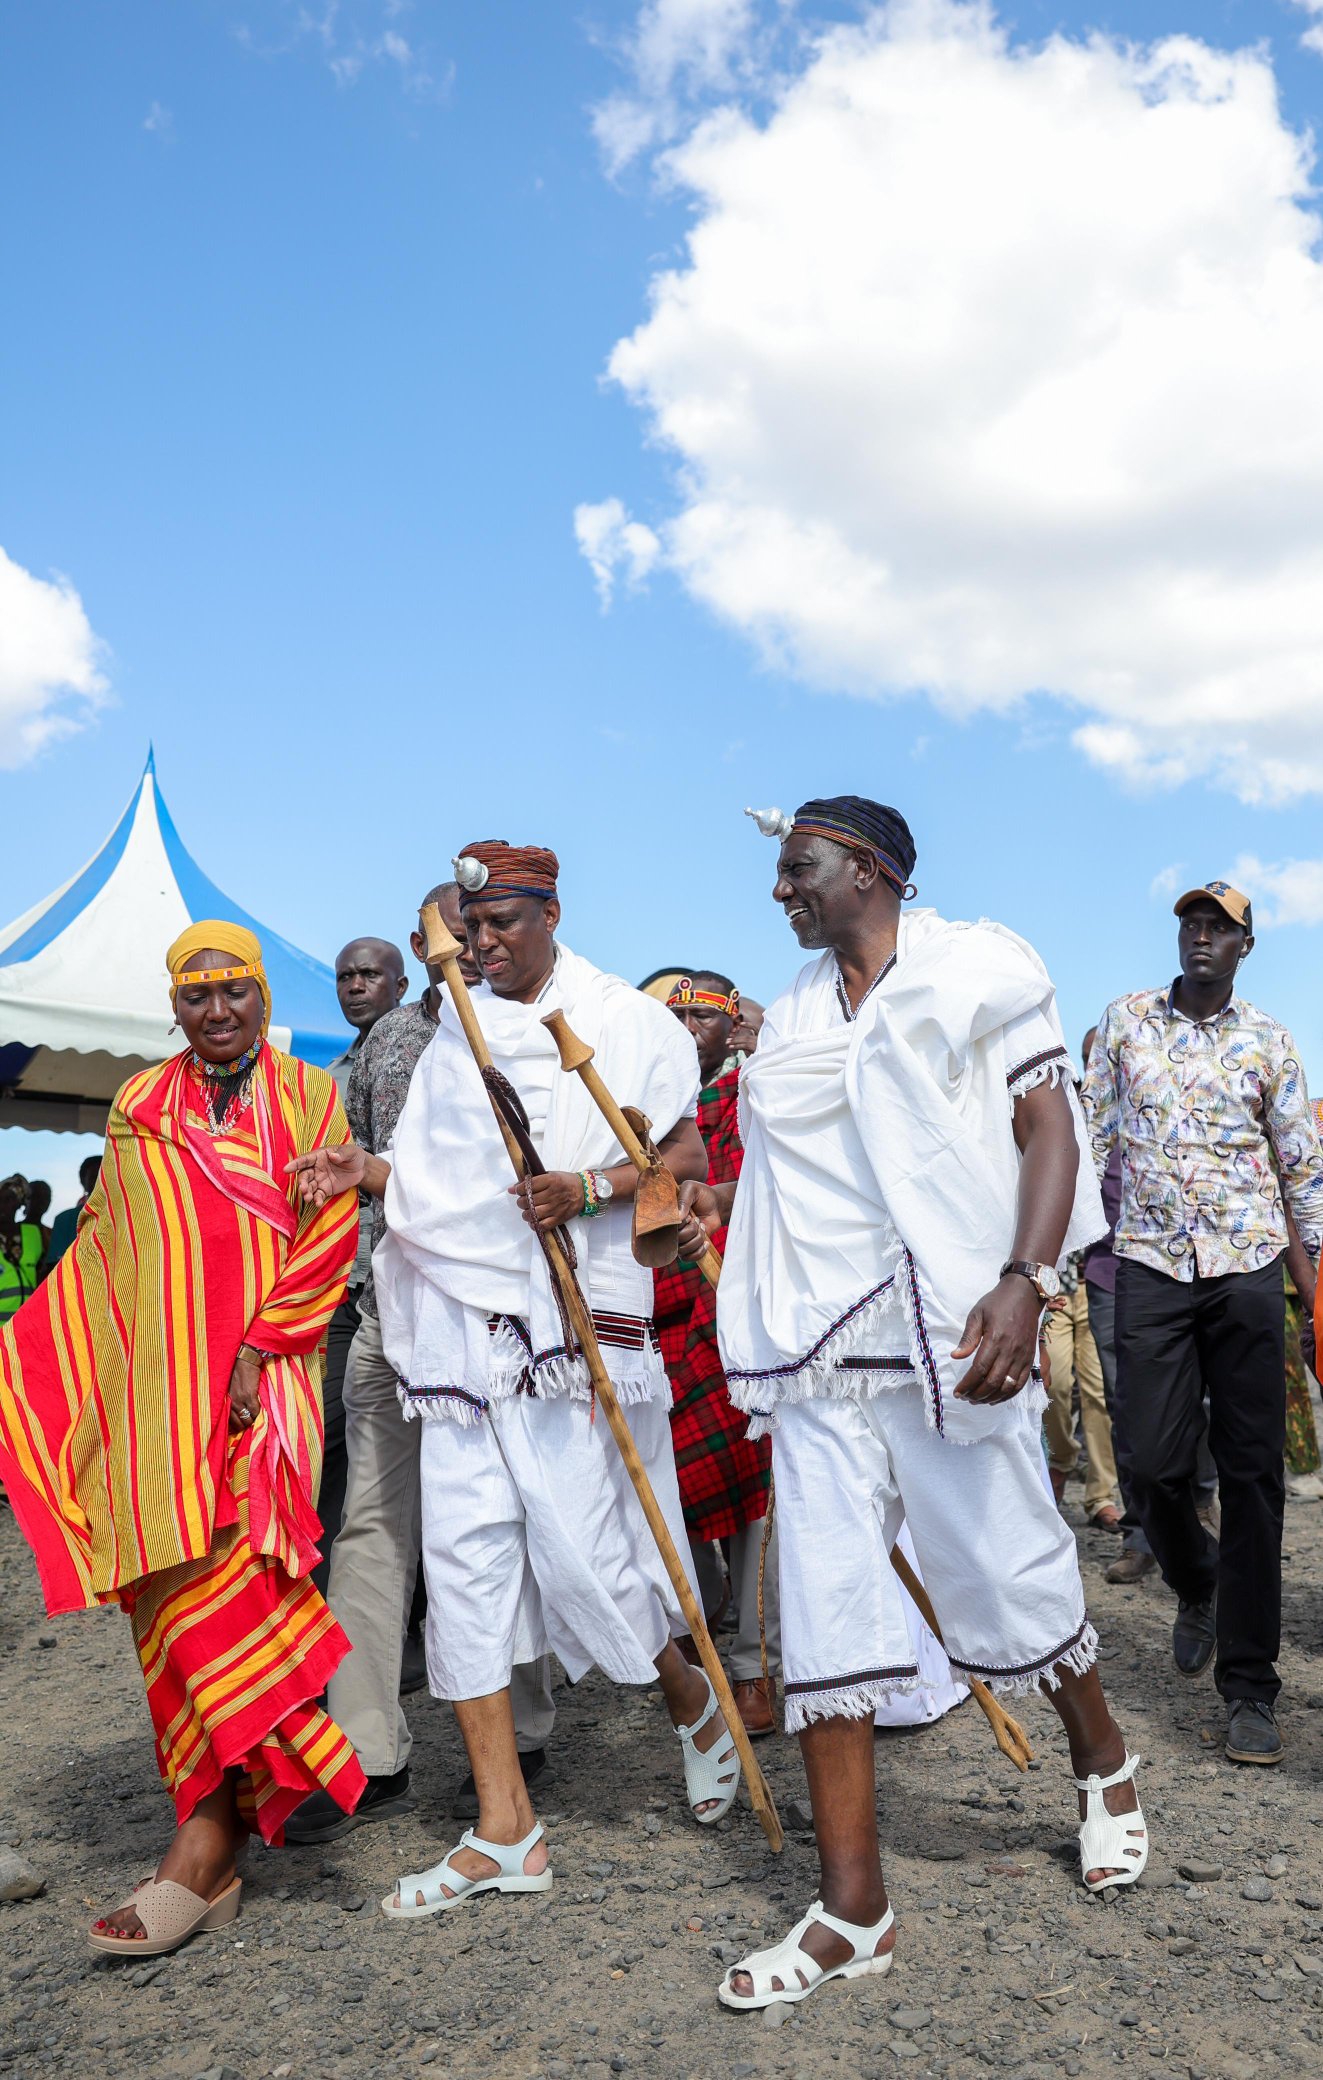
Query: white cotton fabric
x,y
937,1689
456,1249
534,1541
994,1554
894,1125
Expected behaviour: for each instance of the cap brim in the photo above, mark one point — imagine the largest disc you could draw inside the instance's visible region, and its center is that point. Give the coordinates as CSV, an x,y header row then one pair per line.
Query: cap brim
x,y
1205,895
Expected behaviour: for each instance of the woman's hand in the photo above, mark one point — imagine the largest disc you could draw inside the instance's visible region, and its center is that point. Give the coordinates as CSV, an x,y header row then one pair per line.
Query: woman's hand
x,y
245,1381
700,1217
551,1200
326,1172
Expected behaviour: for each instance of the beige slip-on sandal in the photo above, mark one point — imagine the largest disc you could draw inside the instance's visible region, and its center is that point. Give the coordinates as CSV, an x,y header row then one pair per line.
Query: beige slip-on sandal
x,y
170,1914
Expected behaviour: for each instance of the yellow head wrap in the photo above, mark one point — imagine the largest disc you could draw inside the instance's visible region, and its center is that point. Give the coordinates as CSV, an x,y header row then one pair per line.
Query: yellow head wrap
x,y
243,947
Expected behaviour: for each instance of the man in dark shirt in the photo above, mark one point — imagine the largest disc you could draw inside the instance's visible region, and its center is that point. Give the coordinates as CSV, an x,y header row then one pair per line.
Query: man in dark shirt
x,y
369,982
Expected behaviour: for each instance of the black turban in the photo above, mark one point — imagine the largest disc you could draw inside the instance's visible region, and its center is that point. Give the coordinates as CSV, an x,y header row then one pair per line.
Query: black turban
x,y
851,819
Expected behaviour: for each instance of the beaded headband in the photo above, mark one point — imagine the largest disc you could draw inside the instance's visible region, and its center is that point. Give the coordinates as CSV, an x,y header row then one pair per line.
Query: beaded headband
x,y
684,994
194,975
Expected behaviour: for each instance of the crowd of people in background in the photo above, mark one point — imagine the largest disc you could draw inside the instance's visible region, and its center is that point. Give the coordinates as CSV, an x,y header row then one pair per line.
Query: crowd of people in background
x,y
1174,1353
29,1250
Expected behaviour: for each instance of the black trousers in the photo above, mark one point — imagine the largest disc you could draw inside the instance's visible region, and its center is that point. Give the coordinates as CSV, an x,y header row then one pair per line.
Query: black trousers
x,y
335,1458
1176,1340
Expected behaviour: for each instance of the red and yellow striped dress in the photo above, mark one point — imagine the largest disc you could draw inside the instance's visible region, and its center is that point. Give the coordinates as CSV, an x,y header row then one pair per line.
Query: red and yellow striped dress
x,y
115,1444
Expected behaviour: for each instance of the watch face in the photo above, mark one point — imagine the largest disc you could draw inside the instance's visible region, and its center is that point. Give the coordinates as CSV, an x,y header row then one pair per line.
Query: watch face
x,y
1049,1285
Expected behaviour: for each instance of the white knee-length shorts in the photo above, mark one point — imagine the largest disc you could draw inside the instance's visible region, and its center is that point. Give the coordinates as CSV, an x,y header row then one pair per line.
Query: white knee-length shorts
x,y
996,1558
534,1541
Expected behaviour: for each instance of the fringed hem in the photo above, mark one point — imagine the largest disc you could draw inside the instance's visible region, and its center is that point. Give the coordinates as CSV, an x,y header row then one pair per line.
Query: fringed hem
x,y
440,1405
1077,1657
855,1701
459,1405
1053,1068
819,1374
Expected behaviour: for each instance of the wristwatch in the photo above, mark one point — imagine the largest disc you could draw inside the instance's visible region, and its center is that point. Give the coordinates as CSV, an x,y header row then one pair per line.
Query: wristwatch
x,y
605,1189
1041,1277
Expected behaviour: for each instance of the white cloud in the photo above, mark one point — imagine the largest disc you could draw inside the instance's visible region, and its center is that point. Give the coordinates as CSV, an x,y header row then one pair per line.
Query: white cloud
x,y
1290,892
1166,882
50,662
1312,40
614,545
997,369
679,52
351,36
159,121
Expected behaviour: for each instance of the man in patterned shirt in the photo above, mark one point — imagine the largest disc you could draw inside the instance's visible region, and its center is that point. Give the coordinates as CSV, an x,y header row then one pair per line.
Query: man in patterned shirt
x,y
1206,1097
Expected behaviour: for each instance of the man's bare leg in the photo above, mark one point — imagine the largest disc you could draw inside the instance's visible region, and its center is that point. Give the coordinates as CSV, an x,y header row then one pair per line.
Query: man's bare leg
x,y
505,1812
1097,1746
838,1758
201,1856
685,1689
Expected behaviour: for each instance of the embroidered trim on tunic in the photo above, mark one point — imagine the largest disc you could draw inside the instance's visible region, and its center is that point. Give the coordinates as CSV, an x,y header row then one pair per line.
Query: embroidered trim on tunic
x,y
848,1682
793,1365
548,1369
1078,1654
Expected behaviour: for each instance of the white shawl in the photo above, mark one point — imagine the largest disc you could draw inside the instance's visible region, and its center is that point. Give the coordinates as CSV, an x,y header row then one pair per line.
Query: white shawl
x,y
896,1123
457,1250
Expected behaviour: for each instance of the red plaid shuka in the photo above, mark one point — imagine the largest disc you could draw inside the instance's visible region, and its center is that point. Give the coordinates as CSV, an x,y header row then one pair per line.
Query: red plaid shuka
x,y
723,1477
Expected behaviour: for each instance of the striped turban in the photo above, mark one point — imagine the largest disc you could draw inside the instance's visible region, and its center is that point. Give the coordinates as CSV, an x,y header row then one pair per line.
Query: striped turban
x,y
512,870
851,819
243,947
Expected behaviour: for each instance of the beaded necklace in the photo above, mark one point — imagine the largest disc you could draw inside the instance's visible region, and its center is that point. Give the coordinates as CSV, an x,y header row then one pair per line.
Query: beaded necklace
x,y
226,1085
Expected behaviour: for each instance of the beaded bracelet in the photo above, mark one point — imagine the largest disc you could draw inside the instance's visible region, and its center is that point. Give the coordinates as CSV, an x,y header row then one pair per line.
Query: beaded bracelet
x,y
592,1204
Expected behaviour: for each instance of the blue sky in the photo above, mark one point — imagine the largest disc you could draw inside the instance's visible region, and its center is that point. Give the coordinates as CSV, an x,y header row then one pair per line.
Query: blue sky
x,y
304,373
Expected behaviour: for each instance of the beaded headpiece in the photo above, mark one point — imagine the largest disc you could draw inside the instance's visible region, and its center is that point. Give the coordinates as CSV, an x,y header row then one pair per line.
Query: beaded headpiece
x,y
684,994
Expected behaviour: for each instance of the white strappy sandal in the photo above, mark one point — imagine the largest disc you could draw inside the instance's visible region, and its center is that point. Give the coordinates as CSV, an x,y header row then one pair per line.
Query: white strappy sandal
x,y
1114,1842
799,1973
714,1774
510,1876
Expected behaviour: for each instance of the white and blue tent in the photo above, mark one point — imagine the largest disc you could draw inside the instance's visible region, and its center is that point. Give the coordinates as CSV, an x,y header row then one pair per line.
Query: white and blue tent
x,y
84,1000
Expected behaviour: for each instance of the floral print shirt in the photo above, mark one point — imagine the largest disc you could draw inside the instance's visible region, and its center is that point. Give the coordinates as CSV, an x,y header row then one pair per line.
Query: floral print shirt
x,y
1214,1125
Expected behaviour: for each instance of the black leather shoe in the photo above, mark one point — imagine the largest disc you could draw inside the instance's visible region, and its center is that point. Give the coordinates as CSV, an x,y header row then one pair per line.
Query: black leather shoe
x,y
532,1767
319,1818
413,1666
1252,1734
1193,1637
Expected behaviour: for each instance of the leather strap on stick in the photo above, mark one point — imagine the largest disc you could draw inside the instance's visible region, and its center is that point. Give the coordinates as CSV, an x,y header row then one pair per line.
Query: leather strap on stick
x,y
577,1056
443,950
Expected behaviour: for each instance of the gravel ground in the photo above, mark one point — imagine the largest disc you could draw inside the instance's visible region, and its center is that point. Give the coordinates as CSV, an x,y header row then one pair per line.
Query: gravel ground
x,y
1002,1960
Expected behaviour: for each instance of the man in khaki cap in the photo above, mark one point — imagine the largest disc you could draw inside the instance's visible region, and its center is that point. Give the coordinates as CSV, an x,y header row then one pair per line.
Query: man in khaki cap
x,y
1221,1171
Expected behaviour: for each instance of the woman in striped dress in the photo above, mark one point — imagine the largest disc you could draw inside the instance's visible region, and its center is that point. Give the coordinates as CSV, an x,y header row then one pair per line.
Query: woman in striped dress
x,y
160,1427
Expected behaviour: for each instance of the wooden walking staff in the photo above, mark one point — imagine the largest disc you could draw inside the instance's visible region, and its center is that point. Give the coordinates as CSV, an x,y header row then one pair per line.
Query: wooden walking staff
x,y
576,1055
443,949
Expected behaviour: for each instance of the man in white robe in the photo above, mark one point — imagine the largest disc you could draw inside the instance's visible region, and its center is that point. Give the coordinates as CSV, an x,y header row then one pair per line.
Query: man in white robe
x,y
912,1176
533,1537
